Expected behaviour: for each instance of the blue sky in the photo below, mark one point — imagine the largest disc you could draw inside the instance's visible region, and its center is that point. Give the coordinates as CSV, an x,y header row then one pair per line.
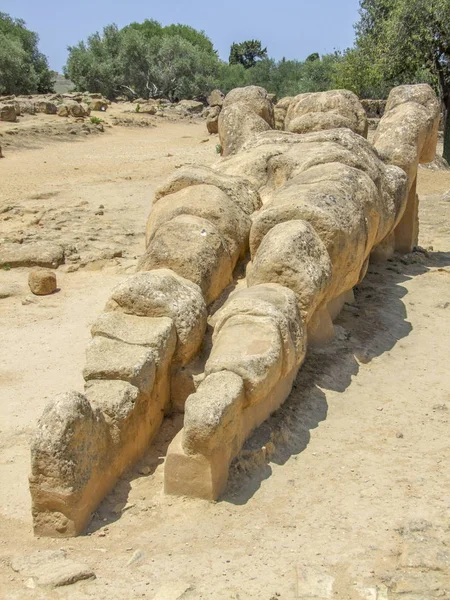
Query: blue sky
x,y
292,28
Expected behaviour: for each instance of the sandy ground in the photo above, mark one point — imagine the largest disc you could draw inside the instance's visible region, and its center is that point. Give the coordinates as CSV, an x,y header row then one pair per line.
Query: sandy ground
x,y
344,493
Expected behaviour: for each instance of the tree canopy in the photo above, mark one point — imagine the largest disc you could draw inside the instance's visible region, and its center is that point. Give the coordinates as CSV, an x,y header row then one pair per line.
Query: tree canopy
x,y
399,41
144,59
247,53
23,69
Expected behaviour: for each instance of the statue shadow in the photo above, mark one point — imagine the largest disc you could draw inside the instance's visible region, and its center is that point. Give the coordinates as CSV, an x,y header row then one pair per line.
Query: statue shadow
x,y
368,328
364,330
116,503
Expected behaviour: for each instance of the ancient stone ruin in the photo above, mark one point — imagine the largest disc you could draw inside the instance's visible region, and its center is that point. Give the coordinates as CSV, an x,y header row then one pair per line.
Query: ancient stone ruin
x,y
304,208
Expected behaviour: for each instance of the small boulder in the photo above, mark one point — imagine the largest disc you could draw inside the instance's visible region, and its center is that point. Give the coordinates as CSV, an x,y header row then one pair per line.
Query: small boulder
x,y
212,120
8,113
98,104
190,106
42,282
78,110
63,110
216,98
148,108
48,108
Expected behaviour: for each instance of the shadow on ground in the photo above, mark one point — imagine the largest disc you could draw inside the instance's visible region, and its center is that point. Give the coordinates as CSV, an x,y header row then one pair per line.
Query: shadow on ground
x,y
364,330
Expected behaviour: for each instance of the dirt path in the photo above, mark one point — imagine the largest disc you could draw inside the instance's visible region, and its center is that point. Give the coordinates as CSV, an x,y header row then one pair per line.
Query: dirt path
x,y
344,493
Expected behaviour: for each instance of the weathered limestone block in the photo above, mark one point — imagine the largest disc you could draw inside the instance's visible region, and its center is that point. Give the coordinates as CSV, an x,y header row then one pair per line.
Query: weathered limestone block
x,y
217,422
198,458
258,345
407,133
238,123
212,120
270,159
84,443
406,136
255,98
270,301
8,113
216,98
113,359
293,255
163,293
285,102
43,106
158,333
202,257
280,116
212,414
38,254
326,110
236,188
280,112
251,347
210,203
66,447
345,209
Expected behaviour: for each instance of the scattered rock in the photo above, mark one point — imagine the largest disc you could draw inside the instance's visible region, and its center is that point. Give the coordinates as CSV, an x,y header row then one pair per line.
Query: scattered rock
x,y
148,109
216,98
8,113
98,104
63,110
38,254
190,106
212,121
46,107
51,568
42,282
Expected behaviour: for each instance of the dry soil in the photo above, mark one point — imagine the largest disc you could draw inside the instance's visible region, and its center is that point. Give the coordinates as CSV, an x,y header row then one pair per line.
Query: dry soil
x,y
344,493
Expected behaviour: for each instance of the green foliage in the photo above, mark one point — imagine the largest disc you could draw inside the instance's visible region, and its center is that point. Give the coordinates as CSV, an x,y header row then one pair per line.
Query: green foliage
x,y
138,108
151,29
23,69
145,60
400,41
292,77
96,120
247,53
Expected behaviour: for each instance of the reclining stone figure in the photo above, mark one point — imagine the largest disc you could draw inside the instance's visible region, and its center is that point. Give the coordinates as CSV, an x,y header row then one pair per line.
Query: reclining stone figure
x,y
312,201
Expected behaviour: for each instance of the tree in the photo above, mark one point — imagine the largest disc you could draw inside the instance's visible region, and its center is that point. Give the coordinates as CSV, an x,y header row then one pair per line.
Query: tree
x,y
146,60
23,69
400,41
247,53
